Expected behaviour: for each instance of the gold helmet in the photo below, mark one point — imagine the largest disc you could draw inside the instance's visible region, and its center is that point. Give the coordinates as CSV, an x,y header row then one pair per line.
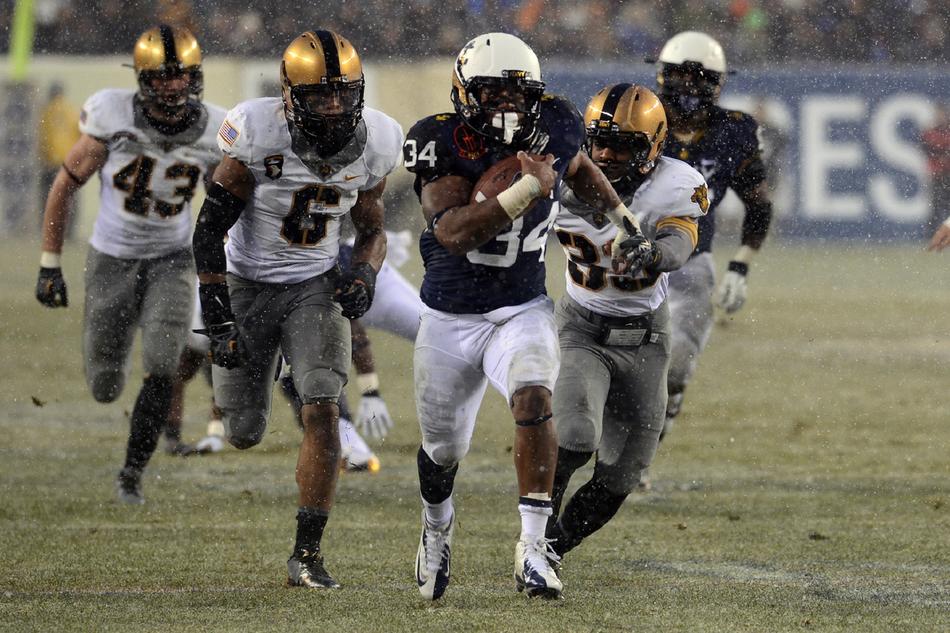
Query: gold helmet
x,y
163,53
626,118
322,83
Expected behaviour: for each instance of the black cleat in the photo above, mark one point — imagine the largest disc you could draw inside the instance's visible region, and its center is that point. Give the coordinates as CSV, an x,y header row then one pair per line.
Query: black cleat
x,y
129,486
306,570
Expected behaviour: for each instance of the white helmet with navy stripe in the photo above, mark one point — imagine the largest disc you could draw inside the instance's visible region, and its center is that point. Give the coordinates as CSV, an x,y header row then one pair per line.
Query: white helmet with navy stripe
x,y
497,87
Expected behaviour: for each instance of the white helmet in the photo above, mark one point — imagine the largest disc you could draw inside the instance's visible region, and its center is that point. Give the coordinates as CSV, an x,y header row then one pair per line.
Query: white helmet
x,y
691,71
504,64
693,46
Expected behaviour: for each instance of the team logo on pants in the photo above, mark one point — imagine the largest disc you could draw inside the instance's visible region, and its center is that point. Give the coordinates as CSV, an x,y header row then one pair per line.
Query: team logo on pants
x,y
274,166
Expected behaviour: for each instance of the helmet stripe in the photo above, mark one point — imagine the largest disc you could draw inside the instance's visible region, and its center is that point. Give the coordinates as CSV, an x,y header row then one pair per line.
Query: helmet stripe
x,y
168,43
609,109
331,56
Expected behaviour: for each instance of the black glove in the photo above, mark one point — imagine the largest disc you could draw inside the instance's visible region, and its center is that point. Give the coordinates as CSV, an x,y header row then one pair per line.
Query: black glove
x,y
227,349
355,288
51,288
636,252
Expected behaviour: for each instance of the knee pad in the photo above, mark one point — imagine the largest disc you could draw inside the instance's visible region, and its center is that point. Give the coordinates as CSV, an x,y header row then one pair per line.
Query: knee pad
x,y
106,386
244,429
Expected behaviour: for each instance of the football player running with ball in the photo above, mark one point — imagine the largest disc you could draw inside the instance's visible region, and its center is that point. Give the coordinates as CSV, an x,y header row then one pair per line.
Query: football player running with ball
x,y
724,146
292,168
487,318
614,329
150,148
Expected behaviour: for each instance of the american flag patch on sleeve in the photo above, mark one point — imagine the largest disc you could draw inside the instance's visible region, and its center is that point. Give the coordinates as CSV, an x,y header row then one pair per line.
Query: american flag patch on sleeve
x,y
228,132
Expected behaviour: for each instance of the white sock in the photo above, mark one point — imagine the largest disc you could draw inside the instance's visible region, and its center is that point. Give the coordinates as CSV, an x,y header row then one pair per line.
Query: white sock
x,y
534,516
438,515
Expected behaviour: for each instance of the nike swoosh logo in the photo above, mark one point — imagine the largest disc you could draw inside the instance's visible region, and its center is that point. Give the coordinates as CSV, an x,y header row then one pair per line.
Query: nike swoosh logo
x,y
349,178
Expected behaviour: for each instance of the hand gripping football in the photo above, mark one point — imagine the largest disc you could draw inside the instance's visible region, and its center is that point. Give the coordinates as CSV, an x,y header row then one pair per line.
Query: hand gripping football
x,y
497,178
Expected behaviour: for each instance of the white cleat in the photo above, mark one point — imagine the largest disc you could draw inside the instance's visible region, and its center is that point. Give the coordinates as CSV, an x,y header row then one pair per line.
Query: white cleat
x,y
209,444
535,573
357,455
433,559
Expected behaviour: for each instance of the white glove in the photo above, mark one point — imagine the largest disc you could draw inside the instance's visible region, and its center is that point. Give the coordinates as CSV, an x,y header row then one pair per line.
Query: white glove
x,y
731,294
373,419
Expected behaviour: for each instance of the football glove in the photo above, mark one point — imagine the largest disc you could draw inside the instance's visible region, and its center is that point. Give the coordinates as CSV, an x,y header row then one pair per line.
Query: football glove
x,y
355,289
51,288
731,294
373,419
227,348
635,252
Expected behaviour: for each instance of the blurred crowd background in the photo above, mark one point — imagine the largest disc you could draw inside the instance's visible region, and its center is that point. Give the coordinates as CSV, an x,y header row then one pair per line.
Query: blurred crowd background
x,y
757,31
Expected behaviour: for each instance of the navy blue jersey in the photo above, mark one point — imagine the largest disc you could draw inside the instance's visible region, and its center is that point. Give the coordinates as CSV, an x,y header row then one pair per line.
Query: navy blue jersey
x,y
728,155
508,270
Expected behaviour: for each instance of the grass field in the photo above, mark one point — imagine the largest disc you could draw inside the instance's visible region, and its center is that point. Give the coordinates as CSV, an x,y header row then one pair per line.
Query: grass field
x,y
806,486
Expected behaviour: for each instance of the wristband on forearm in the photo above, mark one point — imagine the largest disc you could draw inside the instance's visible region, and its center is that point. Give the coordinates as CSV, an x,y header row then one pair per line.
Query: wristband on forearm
x,y
519,196
368,384
50,260
618,213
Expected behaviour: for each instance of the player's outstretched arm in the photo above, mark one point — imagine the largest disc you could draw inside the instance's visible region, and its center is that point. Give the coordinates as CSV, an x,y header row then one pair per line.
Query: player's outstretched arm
x,y
592,187
731,294
85,158
226,199
372,419
356,286
462,226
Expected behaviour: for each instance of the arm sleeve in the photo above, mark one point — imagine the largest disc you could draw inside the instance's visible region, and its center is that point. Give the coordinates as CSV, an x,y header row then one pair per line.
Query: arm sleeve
x,y
675,247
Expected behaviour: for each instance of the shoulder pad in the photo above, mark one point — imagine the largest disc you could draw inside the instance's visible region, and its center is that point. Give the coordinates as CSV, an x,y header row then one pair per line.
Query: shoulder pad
x,y
106,112
435,144
383,145
681,187
250,129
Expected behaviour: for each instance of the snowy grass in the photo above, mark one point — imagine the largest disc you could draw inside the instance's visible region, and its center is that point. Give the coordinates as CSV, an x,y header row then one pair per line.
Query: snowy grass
x,y
806,486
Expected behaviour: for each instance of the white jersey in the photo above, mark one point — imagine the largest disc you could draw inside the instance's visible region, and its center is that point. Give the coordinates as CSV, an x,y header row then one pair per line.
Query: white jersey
x,y
290,230
673,192
148,179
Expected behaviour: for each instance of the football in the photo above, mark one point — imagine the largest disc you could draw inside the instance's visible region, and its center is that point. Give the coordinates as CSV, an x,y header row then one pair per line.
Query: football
x,y
497,178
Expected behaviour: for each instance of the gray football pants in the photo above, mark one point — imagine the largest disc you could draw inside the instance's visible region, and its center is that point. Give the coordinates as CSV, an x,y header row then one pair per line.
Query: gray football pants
x,y
691,316
610,400
155,294
305,323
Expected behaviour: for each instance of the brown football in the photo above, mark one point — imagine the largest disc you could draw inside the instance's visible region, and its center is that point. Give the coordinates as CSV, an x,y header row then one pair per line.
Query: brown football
x,y
497,178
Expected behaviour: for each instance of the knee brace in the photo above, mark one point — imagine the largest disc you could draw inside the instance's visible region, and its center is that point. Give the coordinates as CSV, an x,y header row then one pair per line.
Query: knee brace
x,y
435,481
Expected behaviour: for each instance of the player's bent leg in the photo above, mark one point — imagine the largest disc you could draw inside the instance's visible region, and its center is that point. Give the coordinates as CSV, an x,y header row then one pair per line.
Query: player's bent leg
x,y
522,362
317,470
243,395
448,392
148,418
691,314
110,314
